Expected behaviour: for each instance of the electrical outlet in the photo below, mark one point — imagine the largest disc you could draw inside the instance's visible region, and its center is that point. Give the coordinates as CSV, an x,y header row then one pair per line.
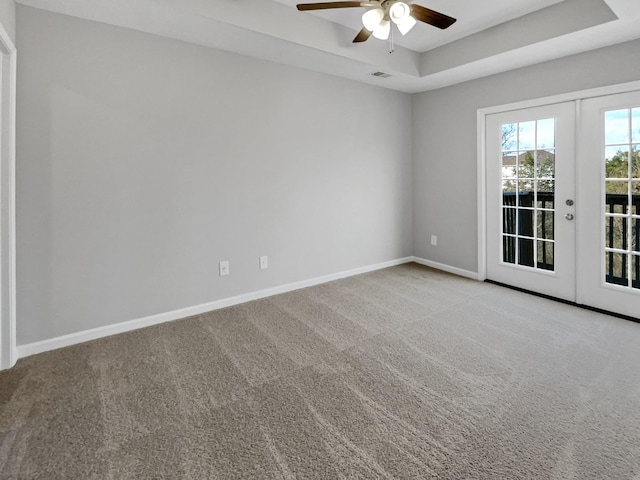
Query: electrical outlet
x,y
434,240
224,268
264,262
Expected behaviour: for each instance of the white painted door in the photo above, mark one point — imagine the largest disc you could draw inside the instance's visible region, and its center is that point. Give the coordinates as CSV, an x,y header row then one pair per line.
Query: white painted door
x,y
609,203
530,185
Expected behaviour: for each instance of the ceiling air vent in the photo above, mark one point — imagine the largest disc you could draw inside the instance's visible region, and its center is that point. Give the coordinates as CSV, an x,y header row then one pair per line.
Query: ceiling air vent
x,y
381,74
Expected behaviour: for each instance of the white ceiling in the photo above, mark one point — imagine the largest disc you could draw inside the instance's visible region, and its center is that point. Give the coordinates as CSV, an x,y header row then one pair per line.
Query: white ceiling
x,y
490,36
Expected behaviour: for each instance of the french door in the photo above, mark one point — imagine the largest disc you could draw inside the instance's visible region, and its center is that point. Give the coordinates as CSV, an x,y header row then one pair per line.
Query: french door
x,y
610,198
563,224
531,199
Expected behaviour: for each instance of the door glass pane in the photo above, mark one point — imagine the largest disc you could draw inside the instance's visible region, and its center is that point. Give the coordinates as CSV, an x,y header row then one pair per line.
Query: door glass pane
x,y
617,197
527,136
546,164
547,133
528,193
526,164
509,164
616,127
617,187
635,265
616,232
545,193
525,222
509,249
509,172
635,234
510,137
525,193
509,192
509,220
545,225
545,255
617,162
616,268
525,254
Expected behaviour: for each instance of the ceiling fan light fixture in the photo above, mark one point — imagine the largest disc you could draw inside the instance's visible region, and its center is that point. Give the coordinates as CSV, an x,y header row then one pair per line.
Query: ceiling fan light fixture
x,y
399,12
382,30
371,19
407,25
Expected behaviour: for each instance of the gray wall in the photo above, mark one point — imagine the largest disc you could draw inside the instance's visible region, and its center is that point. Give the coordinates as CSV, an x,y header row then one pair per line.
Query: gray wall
x,y
8,17
445,142
143,162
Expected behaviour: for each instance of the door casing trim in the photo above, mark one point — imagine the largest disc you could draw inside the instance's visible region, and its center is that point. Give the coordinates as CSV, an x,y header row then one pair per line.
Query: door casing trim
x,y
8,348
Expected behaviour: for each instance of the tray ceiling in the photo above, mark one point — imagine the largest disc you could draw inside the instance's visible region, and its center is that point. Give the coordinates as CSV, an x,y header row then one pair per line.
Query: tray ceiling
x,y
474,17
489,37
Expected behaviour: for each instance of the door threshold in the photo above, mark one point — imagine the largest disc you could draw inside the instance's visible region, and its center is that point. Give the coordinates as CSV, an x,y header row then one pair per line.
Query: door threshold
x,y
566,302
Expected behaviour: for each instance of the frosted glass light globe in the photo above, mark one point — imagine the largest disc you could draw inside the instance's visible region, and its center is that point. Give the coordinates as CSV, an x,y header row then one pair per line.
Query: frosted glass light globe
x,y
399,12
407,25
382,31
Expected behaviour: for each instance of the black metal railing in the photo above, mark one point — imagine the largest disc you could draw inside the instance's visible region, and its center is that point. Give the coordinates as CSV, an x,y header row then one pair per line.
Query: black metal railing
x,y
616,264
525,228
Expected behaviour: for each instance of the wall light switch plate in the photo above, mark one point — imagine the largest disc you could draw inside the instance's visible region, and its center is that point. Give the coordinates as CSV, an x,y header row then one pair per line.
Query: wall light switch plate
x,y
224,268
434,240
264,262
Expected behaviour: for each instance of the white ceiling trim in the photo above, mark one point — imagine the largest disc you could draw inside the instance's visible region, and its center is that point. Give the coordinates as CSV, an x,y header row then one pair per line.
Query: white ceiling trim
x,y
276,32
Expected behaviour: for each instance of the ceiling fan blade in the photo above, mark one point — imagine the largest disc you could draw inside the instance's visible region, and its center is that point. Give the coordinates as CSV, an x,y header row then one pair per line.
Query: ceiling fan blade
x,y
431,17
362,36
327,5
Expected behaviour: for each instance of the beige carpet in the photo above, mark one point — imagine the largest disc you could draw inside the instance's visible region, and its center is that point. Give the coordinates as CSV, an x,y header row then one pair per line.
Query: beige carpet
x,y
400,373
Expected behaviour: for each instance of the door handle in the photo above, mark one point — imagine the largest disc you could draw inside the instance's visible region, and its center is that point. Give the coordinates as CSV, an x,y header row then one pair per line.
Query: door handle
x,y
569,216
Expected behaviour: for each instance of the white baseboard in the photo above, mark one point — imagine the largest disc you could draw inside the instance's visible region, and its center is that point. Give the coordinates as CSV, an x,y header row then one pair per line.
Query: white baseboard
x,y
100,332
446,268
106,331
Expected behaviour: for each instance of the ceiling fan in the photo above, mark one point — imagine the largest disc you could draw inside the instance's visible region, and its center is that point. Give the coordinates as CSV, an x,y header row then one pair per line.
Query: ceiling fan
x,y
380,13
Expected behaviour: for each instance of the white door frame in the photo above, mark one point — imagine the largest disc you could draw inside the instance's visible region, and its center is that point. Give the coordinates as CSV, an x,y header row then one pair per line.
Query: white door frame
x,y
482,159
8,60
